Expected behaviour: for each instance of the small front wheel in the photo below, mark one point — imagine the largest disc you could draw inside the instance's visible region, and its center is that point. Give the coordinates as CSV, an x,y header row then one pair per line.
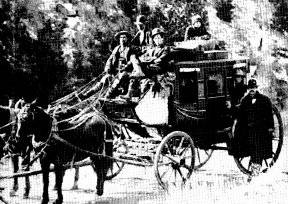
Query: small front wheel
x,y
119,148
174,160
202,157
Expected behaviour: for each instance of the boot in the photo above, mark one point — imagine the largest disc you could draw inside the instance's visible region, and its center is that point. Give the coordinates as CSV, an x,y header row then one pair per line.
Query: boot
x,y
129,94
255,171
112,89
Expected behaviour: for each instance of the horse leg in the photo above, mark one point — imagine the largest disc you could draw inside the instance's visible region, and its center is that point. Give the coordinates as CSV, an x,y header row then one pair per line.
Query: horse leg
x,y
59,174
27,186
45,166
15,165
27,183
76,178
101,172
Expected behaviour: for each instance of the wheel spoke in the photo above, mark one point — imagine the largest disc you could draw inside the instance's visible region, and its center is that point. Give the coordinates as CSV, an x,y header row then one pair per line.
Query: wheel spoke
x,y
162,176
180,145
184,149
186,166
175,176
165,164
266,162
179,171
168,148
169,157
198,154
117,164
206,151
187,157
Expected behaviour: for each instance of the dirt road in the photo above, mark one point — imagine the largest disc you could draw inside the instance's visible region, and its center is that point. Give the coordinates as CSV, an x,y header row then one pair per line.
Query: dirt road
x,y
219,181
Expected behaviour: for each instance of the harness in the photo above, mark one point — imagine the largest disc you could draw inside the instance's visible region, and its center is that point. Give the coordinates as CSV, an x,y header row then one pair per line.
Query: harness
x,y
54,135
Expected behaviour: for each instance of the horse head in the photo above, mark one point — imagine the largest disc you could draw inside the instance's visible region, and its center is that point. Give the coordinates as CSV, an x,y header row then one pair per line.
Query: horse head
x,y
33,120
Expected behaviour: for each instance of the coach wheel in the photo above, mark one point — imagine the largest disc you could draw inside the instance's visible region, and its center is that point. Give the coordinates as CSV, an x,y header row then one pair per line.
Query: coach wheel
x,y
244,163
202,156
174,160
119,148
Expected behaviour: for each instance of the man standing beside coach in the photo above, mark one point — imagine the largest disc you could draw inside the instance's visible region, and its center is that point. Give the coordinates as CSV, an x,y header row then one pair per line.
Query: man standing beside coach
x,y
254,128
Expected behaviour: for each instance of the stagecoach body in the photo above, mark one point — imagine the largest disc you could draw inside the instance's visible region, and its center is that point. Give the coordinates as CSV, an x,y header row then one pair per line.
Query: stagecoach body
x,y
199,118
201,93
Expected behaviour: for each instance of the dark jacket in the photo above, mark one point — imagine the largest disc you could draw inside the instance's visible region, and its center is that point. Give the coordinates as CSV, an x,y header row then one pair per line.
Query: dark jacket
x,y
112,64
237,92
158,60
191,33
251,132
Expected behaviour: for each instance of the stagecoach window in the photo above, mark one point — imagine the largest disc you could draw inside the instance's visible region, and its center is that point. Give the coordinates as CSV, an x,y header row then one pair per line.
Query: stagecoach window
x,y
215,85
188,89
229,84
201,88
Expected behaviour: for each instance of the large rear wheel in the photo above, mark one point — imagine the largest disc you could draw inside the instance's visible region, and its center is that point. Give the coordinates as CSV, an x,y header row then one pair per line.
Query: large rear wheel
x,y
244,163
174,160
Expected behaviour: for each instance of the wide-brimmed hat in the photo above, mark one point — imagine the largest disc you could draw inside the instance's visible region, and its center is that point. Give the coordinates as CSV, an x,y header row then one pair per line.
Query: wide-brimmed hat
x,y
123,32
141,19
252,83
239,72
195,18
157,31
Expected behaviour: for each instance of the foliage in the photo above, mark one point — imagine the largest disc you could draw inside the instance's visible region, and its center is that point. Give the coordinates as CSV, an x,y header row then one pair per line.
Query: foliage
x,y
280,20
224,10
50,47
174,17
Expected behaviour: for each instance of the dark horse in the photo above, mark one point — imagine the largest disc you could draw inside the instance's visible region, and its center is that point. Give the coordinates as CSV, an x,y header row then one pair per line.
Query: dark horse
x,y
8,118
67,141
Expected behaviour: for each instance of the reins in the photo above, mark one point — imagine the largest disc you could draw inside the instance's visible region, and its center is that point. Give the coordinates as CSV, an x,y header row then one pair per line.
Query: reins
x,y
7,125
55,136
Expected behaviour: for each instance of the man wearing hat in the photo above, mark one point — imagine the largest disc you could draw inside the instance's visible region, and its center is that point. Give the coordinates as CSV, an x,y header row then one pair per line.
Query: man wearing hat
x,y
239,87
120,61
254,128
142,39
153,62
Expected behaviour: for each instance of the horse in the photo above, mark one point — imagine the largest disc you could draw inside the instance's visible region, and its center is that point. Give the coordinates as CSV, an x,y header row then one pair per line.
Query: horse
x,y
8,118
68,141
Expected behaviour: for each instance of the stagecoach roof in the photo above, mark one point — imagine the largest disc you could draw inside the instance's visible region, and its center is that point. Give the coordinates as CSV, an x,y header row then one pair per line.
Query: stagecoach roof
x,y
203,62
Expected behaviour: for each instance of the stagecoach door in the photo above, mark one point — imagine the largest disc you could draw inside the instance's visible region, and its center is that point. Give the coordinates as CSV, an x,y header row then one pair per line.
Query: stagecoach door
x,y
216,94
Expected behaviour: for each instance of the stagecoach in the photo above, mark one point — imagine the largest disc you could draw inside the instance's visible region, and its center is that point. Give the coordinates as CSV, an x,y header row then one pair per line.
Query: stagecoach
x,y
198,120
177,131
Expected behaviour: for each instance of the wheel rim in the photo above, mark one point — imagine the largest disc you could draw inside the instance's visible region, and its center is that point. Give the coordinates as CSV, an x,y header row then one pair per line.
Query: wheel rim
x,y
174,160
119,148
201,157
244,164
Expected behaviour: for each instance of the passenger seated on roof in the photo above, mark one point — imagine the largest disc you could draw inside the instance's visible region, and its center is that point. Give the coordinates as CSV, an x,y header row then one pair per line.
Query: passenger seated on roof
x,y
196,30
152,63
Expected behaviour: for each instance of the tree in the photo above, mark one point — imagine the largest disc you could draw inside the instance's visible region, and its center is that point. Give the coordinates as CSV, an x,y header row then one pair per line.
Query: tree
x,y
280,16
174,16
224,10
